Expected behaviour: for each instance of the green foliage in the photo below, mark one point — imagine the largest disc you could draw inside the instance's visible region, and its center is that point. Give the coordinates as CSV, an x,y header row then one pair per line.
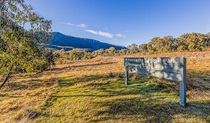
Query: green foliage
x,y
143,48
56,54
133,48
99,52
85,56
181,48
111,51
59,53
186,42
191,47
18,46
60,61
76,54
37,66
124,52
150,47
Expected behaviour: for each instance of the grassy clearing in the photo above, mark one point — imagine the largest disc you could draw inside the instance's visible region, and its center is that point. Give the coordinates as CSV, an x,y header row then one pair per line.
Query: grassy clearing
x,y
94,91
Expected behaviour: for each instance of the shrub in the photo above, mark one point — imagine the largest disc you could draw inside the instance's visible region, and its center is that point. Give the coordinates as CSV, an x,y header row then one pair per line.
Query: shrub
x,y
181,48
60,61
192,47
76,54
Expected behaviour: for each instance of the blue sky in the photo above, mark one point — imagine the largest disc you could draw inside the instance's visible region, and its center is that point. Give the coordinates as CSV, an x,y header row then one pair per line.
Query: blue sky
x,y
124,22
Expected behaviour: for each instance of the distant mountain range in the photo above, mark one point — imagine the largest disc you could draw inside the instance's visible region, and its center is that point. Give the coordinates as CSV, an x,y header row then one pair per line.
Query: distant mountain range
x,y
61,41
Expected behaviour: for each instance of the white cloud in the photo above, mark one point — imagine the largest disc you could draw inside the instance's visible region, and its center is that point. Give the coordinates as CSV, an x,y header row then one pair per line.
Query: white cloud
x,y
82,25
105,34
120,36
91,31
75,25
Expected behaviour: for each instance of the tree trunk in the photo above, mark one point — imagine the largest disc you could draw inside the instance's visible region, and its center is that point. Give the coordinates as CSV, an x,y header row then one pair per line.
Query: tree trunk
x,y
7,76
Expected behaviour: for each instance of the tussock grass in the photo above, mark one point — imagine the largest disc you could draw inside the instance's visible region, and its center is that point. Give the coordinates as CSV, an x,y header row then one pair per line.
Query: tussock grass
x,y
94,91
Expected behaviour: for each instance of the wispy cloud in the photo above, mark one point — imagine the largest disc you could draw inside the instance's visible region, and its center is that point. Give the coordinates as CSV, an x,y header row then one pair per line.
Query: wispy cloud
x,y
75,25
120,35
82,25
104,34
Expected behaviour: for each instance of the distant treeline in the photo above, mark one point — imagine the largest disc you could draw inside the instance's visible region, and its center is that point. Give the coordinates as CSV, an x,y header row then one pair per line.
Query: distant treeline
x,y
186,42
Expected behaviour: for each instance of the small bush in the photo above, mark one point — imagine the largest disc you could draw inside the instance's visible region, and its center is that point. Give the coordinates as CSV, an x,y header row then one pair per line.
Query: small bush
x,y
181,48
60,61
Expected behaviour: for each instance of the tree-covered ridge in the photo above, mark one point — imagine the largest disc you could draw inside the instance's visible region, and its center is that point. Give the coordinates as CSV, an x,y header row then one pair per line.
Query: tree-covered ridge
x,y
67,42
186,42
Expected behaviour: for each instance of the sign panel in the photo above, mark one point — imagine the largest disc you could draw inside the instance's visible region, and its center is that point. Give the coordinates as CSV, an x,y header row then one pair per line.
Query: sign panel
x,y
172,68
165,67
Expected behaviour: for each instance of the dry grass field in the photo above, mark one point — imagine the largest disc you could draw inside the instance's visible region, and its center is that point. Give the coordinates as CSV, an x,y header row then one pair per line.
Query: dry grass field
x,y
94,91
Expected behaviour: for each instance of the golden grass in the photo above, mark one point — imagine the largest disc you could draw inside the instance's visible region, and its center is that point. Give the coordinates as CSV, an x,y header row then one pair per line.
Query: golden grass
x,y
22,98
94,91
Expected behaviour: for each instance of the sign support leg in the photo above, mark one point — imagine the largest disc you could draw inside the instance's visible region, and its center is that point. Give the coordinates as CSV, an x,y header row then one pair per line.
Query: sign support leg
x,y
182,91
126,77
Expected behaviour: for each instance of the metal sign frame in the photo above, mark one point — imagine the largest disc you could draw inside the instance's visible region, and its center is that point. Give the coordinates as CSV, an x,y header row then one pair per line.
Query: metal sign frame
x,y
172,68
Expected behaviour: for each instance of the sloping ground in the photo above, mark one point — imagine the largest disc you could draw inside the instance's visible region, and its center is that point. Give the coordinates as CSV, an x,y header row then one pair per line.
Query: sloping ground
x,y
94,91
23,96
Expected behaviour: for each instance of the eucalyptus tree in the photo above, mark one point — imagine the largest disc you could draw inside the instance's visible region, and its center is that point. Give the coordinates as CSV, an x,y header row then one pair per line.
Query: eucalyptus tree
x,y
133,48
143,47
169,44
21,31
111,51
150,47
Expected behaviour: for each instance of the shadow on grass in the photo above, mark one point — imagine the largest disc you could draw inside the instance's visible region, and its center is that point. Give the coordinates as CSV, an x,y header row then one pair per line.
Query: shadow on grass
x,y
104,83
198,80
153,109
86,81
32,84
152,112
110,90
83,65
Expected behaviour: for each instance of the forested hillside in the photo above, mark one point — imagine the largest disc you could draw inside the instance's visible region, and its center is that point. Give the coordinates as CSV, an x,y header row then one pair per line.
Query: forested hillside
x,y
61,41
